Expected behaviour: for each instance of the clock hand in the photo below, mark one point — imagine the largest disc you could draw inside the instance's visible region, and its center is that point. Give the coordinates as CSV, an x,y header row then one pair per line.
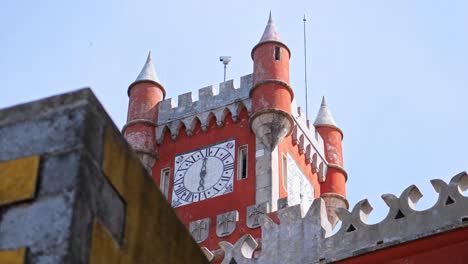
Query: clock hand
x,y
202,175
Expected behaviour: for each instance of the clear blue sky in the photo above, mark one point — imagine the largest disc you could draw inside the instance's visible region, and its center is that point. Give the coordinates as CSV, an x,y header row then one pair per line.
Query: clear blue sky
x,y
395,72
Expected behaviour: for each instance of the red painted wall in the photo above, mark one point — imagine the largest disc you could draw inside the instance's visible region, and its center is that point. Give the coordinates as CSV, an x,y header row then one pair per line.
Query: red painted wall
x,y
450,247
266,67
271,95
336,179
244,190
144,97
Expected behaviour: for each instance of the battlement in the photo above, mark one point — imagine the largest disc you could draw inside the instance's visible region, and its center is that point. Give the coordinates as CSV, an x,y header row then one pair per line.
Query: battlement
x,y
309,141
207,100
309,236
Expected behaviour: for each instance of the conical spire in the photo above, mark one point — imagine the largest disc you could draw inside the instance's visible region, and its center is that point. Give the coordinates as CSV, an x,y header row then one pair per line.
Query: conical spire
x,y
270,33
148,73
324,117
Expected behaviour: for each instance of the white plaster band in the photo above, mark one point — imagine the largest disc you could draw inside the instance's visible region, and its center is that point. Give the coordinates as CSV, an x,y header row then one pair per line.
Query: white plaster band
x,y
138,121
282,83
341,169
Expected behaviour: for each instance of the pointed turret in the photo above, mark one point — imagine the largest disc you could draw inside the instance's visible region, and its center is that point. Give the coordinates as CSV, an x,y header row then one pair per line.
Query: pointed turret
x,y
270,33
148,74
333,189
271,93
144,93
324,116
271,119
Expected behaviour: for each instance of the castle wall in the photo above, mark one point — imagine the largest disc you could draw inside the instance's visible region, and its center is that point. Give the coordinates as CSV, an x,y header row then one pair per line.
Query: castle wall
x,y
243,194
447,247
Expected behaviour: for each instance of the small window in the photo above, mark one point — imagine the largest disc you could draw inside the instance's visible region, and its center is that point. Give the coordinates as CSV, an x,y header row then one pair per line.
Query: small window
x,y
285,172
164,183
277,53
242,163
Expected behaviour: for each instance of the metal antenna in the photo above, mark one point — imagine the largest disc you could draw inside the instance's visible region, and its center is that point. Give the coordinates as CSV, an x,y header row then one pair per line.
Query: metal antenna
x,y
305,67
225,60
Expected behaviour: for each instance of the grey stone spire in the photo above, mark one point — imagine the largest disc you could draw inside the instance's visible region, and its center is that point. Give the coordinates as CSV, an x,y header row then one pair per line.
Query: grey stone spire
x,y
270,33
324,117
148,73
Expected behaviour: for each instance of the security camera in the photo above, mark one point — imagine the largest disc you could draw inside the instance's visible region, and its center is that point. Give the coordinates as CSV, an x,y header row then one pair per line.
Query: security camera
x,y
225,59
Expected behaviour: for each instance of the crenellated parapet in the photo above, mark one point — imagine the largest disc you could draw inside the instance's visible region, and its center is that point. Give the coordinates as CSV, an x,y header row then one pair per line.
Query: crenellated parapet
x,y
306,236
309,142
187,112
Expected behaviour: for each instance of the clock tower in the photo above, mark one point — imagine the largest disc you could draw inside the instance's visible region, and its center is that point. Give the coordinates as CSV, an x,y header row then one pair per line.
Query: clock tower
x,y
239,151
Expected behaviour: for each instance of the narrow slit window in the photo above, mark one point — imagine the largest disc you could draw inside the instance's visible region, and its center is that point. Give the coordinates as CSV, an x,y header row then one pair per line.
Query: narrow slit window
x,y
277,53
285,172
164,183
242,161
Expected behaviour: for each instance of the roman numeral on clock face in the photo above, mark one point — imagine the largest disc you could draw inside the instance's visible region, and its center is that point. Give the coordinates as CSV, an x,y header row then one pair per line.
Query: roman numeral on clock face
x,y
228,167
225,178
179,181
181,191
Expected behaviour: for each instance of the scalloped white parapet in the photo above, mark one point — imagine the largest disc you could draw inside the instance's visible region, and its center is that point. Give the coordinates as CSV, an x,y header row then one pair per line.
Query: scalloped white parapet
x,y
305,237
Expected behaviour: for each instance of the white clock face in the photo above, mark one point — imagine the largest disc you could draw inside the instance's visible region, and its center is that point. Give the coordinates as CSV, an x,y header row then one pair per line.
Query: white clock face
x,y
203,173
300,190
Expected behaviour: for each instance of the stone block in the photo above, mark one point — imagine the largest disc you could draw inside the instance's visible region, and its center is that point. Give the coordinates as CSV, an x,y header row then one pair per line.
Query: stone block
x,y
254,212
226,223
200,229
72,190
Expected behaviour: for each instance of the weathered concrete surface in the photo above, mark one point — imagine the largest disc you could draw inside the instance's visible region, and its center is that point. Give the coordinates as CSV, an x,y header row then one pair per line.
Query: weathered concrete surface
x,y
81,195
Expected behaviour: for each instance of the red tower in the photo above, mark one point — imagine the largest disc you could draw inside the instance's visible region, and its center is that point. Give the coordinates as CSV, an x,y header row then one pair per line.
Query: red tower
x,y
333,189
234,155
271,93
144,95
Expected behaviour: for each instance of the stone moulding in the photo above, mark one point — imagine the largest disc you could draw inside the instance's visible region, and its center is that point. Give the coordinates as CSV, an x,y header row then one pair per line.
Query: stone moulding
x,y
226,223
203,118
306,237
200,229
309,142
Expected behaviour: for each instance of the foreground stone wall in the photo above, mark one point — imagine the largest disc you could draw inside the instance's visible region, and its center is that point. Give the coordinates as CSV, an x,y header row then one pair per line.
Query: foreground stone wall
x,y
72,191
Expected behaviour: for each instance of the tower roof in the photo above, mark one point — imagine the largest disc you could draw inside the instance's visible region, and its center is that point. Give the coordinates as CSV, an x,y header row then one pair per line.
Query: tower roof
x,y
270,33
148,73
324,116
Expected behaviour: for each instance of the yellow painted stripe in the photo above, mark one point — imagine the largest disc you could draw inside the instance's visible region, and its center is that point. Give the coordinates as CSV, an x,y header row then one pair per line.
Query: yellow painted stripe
x,y
18,179
16,256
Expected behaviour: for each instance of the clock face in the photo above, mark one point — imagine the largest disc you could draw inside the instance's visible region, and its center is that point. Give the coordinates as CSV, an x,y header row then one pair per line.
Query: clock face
x,y
300,190
203,173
